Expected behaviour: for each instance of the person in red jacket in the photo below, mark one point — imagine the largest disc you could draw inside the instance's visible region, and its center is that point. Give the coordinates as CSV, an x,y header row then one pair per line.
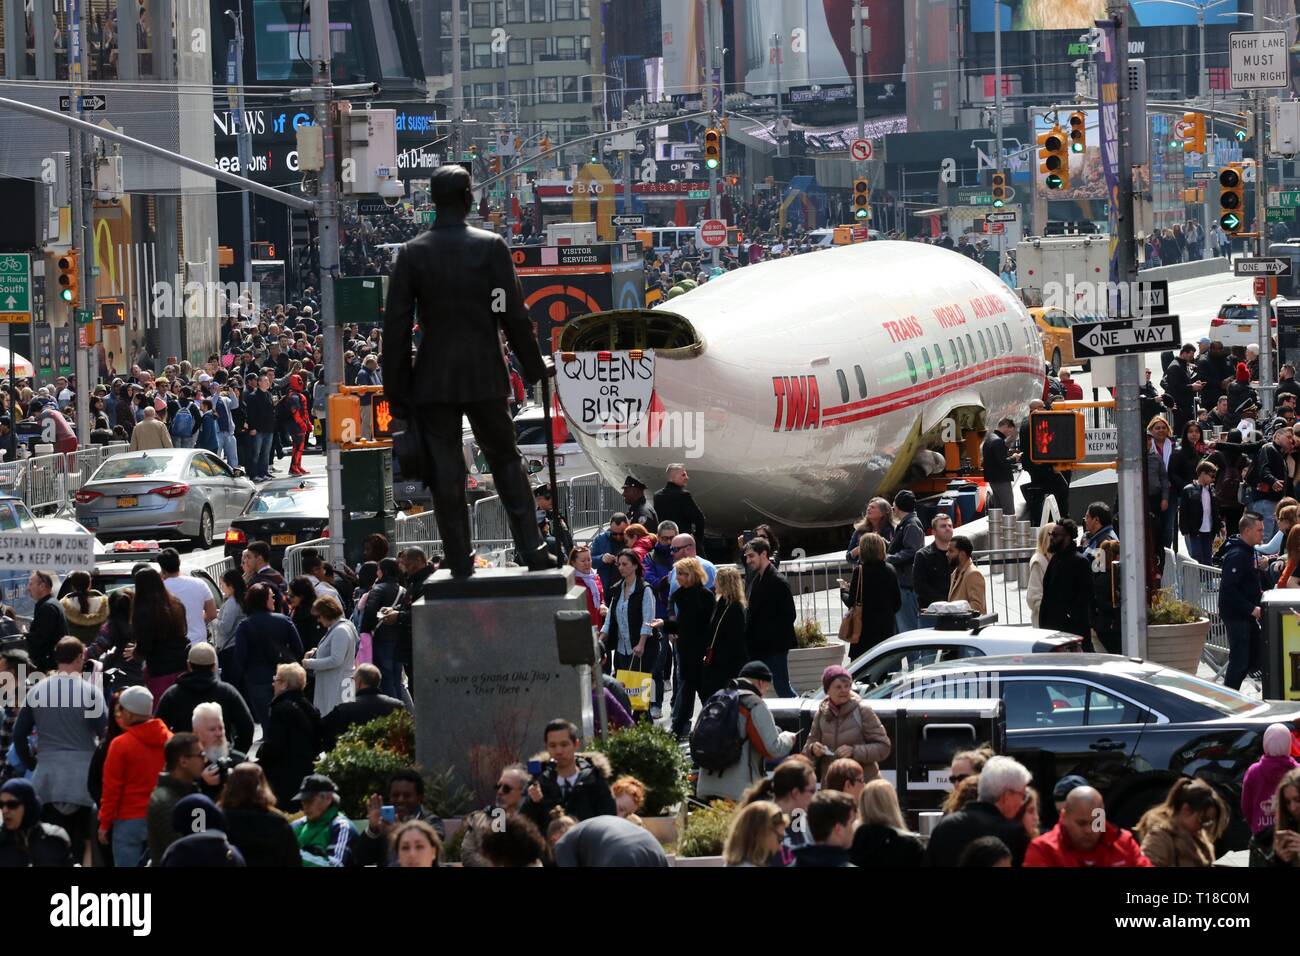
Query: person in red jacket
x,y
299,423
1084,837
135,758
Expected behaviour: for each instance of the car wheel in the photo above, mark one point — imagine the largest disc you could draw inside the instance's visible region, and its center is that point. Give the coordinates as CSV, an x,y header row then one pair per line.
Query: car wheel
x,y
1056,362
204,540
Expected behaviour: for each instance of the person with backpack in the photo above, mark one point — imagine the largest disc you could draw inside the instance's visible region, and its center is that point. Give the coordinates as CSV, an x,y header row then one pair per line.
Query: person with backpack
x,y
208,438
184,425
736,734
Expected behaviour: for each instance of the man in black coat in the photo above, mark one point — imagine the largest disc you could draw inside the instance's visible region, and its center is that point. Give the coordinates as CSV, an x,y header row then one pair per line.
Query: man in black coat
x,y
259,414
368,705
1215,373
1001,796
674,503
931,575
463,282
1067,584
200,685
908,538
998,471
48,626
1181,383
770,616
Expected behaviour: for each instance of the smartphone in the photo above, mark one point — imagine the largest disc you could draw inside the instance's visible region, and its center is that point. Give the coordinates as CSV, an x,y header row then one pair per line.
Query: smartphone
x,y
387,813
747,535
534,768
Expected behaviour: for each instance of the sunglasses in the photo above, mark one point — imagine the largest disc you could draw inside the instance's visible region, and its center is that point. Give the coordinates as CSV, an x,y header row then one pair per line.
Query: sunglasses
x,y
505,788
10,804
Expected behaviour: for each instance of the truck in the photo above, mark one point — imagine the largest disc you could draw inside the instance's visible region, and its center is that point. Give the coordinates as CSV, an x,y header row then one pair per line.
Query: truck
x,y
1059,271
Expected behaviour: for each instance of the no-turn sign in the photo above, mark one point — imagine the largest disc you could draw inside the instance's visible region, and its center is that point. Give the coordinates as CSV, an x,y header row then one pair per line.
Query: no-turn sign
x,y
713,232
861,150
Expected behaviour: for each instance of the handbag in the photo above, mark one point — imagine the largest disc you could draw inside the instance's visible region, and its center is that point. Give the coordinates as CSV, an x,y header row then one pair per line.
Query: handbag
x,y
851,626
708,654
638,684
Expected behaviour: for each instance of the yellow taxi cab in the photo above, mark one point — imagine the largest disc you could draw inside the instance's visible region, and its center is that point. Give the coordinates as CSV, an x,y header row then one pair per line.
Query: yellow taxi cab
x,y
1054,329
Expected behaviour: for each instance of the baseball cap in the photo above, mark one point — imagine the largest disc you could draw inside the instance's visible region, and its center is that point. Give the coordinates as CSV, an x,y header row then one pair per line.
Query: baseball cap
x,y
315,783
1065,785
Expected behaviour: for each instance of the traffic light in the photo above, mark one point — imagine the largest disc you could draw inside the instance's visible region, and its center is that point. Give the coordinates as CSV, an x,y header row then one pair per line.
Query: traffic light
x,y
999,189
712,148
1055,160
545,144
1056,437
1193,132
1231,199
494,165
1248,123
69,290
861,198
1078,132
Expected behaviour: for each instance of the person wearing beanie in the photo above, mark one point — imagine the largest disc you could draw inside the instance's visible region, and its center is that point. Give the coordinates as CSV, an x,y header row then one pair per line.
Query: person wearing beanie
x,y
846,726
200,685
1239,391
131,769
205,842
24,839
763,740
1259,786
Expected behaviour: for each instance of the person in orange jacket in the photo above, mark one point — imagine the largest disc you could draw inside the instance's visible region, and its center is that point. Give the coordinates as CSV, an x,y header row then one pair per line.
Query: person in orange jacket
x,y
135,758
1084,837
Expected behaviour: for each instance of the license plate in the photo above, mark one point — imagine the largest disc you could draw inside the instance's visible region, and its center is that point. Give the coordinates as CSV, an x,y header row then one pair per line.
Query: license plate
x,y
1244,328
279,539
127,501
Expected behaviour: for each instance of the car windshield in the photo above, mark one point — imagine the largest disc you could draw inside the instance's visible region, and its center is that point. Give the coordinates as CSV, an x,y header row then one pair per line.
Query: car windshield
x,y
1220,699
312,497
1238,312
144,466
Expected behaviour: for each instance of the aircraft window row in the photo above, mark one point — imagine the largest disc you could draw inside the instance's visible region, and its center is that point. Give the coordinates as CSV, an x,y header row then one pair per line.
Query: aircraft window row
x,y
984,346
911,366
844,384
862,381
925,360
938,355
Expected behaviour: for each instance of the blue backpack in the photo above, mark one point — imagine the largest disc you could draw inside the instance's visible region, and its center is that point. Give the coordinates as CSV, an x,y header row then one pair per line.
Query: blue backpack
x,y
715,742
182,423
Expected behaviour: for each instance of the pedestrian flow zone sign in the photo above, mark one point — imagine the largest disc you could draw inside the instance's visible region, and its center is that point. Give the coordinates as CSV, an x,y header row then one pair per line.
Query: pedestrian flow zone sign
x,y
61,553
1125,337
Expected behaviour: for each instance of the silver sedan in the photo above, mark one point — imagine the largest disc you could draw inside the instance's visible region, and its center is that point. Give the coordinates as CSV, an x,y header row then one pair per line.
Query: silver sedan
x,y
165,492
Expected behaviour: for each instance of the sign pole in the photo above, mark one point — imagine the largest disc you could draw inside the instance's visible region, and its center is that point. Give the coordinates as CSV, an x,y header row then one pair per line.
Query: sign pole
x,y
1267,384
1128,368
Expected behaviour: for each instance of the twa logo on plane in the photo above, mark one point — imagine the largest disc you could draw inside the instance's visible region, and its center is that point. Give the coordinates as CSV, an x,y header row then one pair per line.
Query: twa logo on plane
x,y
798,403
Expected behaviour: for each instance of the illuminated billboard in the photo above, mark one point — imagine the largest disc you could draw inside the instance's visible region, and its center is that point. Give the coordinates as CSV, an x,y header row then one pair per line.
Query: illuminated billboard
x,y
1081,14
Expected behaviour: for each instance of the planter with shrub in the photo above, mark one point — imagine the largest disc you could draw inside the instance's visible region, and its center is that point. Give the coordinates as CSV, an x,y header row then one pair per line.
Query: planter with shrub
x,y
815,653
1176,632
705,834
366,756
652,755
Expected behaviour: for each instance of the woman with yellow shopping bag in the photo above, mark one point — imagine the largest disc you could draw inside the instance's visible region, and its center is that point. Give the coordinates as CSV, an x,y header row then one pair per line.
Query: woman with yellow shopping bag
x,y
628,632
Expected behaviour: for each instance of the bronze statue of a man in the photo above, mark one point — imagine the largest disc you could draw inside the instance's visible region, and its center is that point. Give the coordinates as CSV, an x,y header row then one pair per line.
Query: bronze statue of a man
x,y
463,282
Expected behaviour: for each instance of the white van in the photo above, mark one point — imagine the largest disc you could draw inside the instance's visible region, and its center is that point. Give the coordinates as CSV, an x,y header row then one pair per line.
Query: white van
x,y
667,238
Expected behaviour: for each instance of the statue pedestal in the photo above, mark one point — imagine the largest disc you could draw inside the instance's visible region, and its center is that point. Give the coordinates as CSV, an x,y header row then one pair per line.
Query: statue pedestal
x,y
487,673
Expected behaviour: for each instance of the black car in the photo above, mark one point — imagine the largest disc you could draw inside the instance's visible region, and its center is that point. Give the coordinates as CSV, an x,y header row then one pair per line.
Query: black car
x,y
1130,727
282,513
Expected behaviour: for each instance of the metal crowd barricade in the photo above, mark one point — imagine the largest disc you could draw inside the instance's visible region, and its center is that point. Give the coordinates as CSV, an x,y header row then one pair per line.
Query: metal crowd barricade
x,y
488,521
45,485
416,529
585,505
816,590
1199,585
293,555
1006,577
84,462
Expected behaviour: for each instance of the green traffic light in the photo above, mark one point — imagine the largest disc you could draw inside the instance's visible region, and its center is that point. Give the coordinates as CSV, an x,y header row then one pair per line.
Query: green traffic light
x,y
711,163
65,295
861,213
998,203
1076,147
1240,135
1230,221
1054,181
